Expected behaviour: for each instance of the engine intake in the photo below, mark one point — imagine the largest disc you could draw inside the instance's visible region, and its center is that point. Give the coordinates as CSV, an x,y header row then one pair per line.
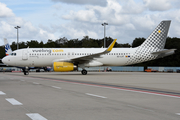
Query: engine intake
x,y
64,67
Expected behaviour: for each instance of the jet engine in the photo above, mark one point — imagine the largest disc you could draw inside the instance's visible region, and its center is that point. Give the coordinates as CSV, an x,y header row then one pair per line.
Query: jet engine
x,y
64,67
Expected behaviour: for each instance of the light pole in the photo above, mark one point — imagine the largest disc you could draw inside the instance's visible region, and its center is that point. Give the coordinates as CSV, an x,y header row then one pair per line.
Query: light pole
x,y
104,24
17,36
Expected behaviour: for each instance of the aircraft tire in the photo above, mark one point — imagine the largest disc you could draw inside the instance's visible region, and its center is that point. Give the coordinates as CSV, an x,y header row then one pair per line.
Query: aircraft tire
x,y
26,73
84,72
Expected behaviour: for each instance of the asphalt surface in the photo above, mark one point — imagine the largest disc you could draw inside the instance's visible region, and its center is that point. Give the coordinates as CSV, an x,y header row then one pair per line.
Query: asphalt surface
x,y
96,96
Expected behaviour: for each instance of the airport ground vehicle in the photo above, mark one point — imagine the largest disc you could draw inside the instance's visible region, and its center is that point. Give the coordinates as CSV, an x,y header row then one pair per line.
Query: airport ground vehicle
x,y
150,70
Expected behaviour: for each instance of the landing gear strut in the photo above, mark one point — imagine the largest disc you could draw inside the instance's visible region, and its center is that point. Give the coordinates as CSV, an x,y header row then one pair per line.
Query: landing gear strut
x,y
26,71
84,72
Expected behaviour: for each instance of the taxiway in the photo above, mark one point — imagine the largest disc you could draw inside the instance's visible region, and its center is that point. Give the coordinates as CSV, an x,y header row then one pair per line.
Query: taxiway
x,y
98,95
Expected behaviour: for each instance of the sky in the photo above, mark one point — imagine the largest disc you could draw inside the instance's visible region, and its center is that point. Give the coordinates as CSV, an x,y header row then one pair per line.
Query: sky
x,y
53,19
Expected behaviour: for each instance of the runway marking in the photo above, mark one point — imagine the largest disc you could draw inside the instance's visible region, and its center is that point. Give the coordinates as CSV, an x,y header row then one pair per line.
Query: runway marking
x,y
2,93
13,101
124,89
22,80
56,87
138,91
178,113
116,88
36,116
95,95
36,83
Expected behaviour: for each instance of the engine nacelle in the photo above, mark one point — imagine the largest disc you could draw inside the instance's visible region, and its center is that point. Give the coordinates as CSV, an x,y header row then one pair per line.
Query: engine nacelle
x,y
64,66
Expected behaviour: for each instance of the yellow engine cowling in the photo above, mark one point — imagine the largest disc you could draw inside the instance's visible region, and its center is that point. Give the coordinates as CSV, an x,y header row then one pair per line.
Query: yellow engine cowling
x,y
64,66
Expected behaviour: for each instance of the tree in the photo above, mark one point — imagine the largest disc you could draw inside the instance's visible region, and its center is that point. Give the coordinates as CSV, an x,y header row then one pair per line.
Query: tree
x,y
137,42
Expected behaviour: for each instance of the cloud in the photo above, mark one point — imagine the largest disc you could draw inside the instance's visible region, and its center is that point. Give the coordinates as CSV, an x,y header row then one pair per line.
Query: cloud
x,y
84,2
158,5
8,20
127,19
112,13
5,11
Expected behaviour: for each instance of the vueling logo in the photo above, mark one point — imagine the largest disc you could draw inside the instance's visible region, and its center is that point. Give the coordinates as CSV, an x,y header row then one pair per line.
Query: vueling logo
x,y
57,50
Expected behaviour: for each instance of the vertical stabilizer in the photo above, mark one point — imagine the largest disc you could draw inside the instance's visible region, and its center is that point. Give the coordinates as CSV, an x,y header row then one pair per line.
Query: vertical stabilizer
x,y
157,38
153,44
7,47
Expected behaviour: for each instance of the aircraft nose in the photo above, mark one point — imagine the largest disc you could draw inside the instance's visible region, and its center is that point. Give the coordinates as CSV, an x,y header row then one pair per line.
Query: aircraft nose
x,y
4,60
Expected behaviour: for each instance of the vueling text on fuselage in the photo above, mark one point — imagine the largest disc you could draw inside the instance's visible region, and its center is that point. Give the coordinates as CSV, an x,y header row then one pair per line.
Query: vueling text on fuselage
x,y
48,50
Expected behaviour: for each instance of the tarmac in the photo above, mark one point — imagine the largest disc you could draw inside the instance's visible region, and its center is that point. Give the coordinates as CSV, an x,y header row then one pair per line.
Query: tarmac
x,y
95,96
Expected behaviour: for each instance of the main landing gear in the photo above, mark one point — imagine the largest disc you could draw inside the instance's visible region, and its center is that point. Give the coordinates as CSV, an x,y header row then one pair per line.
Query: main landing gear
x,y
84,72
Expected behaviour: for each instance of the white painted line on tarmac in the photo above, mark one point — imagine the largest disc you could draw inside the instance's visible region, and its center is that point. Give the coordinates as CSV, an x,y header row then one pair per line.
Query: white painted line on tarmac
x,y
56,87
22,80
129,90
116,88
36,116
95,95
36,83
178,113
13,101
2,93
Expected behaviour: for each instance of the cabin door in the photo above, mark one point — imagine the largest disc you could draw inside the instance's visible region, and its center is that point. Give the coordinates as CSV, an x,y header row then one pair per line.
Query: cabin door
x,y
24,55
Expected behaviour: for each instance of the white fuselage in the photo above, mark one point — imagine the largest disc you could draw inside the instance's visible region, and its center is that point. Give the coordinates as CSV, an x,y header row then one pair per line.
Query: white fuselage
x,y
39,57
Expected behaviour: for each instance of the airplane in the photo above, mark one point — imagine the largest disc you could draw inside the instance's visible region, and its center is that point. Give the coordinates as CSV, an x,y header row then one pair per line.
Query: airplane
x,y
70,59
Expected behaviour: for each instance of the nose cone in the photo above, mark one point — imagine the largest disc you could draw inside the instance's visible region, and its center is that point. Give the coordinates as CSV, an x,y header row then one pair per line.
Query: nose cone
x,y
4,60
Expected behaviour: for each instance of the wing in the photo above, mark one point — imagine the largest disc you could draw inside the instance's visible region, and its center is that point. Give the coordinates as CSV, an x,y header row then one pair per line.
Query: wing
x,y
87,58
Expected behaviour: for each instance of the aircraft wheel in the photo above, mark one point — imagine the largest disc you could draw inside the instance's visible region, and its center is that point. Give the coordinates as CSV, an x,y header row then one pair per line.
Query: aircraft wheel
x,y
26,73
84,72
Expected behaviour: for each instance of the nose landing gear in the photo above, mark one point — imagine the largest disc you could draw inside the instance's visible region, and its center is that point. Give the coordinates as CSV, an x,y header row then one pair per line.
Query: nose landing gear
x,y
26,71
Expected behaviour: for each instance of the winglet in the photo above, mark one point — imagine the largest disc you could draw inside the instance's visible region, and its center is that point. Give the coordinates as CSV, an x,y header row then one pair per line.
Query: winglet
x,y
111,46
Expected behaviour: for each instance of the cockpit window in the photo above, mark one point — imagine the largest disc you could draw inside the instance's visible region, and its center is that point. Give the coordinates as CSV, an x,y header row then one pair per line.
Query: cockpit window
x,y
13,54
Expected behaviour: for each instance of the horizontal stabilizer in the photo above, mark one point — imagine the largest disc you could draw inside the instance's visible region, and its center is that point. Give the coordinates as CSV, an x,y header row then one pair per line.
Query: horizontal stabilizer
x,y
165,52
